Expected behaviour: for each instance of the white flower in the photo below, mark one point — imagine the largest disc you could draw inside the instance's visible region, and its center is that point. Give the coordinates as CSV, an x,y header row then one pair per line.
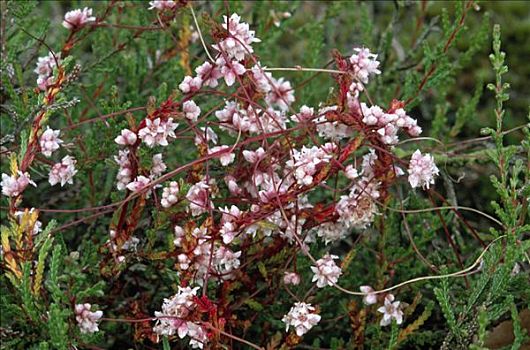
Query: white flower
x,y
291,278
191,110
301,317
369,298
326,272
179,235
87,320
138,184
162,4
422,170
158,166
78,18
49,141
391,310
126,138
157,131
63,172
12,186
170,194
225,158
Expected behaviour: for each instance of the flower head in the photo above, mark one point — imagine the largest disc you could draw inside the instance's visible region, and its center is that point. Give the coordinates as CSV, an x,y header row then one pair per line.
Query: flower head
x,y
422,170
49,141
13,185
391,310
78,18
63,172
87,320
301,317
326,272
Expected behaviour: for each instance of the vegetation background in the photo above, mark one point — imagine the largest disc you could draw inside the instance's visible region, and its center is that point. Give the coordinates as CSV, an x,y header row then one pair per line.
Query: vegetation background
x,y
122,68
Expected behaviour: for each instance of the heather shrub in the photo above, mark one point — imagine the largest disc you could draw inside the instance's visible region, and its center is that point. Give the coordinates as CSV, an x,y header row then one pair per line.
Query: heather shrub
x,y
266,175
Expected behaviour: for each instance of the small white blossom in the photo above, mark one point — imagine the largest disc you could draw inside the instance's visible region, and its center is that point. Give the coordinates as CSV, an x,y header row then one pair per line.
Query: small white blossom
x,y
78,18
124,175
63,172
422,170
369,298
239,41
208,74
170,194
291,278
391,310
301,317
198,197
326,272
87,320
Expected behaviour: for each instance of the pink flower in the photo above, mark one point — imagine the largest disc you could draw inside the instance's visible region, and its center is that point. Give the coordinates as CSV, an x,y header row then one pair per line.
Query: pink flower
x,y
63,172
12,185
369,298
78,18
301,317
208,74
239,40
422,170
157,131
364,64
190,84
305,162
230,70
391,310
87,320
49,141
191,110
126,138
326,272
254,156
199,198
291,278
162,4
138,184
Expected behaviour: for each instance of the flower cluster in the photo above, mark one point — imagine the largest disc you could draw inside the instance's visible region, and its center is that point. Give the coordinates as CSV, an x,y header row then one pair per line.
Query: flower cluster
x,y
49,141
45,67
301,317
422,170
86,319
162,4
326,273
14,185
175,315
157,131
63,172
